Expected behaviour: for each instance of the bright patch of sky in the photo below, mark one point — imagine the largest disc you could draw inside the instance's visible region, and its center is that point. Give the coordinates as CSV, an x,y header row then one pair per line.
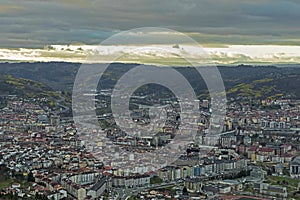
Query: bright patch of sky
x,y
153,54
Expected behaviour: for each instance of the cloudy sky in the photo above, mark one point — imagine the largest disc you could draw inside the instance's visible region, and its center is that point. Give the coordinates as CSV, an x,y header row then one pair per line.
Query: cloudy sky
x,y
36,23
39,22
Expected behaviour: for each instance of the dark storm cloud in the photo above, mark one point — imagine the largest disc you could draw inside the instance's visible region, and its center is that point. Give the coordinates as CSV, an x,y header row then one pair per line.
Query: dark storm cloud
x,y
38,22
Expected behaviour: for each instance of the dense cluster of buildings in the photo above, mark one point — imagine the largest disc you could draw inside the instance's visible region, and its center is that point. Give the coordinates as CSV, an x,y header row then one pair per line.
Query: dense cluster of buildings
x,y
34,141
255,143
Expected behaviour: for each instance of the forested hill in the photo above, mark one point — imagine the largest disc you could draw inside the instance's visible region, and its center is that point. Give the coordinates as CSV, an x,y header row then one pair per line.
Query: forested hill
x,y
252,81
10,85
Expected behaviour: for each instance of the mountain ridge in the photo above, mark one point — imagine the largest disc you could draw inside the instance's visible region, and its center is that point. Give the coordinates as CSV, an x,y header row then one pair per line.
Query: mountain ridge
x,y
61,76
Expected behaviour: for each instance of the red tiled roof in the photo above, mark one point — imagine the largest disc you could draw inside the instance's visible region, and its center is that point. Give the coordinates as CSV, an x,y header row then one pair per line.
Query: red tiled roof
x,y
266,149
252,149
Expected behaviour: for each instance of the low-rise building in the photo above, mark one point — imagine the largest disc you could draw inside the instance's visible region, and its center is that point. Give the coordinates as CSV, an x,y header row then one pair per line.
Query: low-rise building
x,y
295,167
273,191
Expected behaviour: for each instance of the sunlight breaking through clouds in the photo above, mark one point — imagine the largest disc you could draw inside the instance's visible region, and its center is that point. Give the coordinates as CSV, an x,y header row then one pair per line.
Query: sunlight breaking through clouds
x,y
226,55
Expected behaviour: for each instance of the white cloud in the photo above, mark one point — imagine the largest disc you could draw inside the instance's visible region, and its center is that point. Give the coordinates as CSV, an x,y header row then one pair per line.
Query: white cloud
x,y
156,54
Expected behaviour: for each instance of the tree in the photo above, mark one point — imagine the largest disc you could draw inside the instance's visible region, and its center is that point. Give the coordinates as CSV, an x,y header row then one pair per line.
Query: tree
x,y
30,177
184,191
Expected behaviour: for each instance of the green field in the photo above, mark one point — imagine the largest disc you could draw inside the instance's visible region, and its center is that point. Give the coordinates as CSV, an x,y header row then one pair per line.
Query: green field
x,y
4,184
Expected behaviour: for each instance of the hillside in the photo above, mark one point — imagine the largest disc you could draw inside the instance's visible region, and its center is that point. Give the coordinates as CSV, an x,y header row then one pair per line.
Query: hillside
x,y
10,85
242,80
